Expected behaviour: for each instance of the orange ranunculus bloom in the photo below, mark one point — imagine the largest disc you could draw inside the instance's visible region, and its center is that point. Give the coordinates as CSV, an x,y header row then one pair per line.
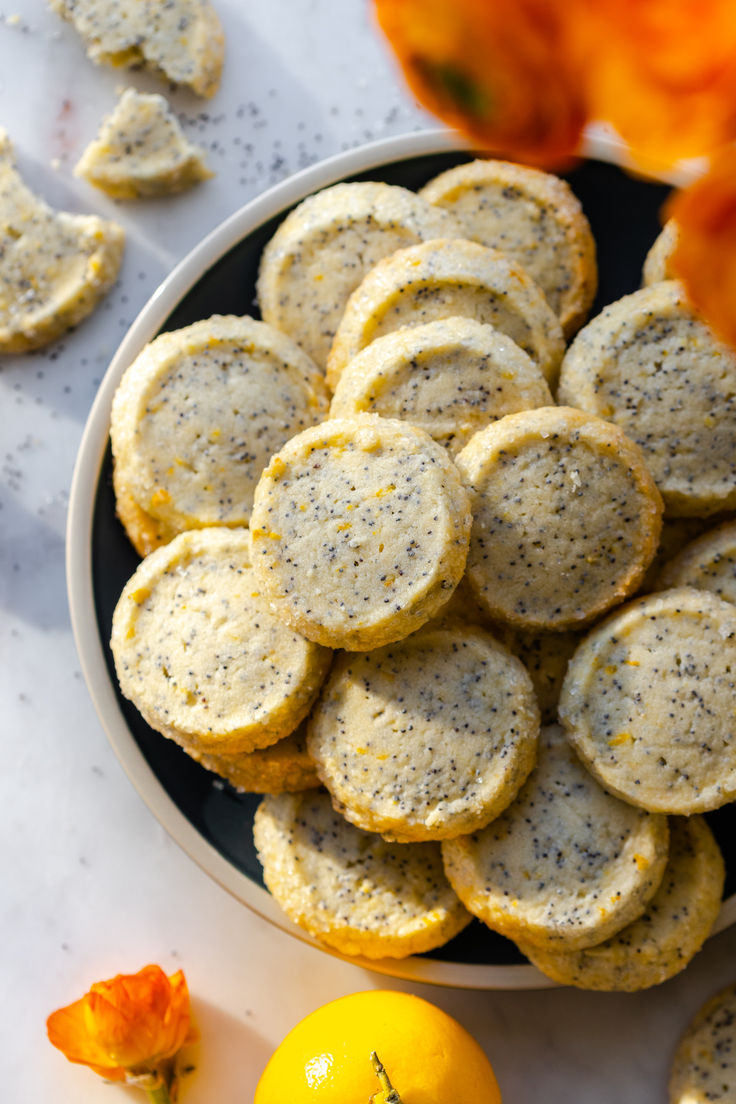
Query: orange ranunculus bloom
x,y
127,1025
507,73
705,256
522,77
663,72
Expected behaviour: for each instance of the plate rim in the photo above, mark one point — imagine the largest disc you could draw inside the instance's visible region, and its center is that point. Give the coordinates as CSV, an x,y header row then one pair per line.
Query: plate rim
x,y
599,146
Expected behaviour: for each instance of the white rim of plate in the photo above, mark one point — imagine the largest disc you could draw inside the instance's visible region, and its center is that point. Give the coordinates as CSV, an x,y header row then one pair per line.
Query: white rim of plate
x,y
600,146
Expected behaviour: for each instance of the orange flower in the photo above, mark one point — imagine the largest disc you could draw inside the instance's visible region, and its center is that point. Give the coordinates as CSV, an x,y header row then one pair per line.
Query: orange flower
x,y
522,77
705,256
663,72
126,1027
507,73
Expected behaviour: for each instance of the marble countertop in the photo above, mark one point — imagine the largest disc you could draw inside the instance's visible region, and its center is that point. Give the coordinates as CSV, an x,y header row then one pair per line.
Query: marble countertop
x,y
92,885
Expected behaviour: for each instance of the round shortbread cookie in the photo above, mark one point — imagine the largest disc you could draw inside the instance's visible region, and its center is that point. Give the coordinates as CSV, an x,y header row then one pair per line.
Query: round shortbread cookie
x,y
284,767
325,246
704,1064
349,888
427,738
648,702
451,378
197,416
657,261
532,216
708,563
566,865
566,517
667,935
676,533
650,365
545,656
144,532
360,529
201,657
55,267
444,279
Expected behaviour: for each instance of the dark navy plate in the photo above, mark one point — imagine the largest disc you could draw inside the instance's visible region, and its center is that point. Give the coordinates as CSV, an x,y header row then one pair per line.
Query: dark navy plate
x,y
205,815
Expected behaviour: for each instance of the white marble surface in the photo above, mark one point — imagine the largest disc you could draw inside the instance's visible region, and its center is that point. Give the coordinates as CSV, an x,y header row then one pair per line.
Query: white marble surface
x,y
91,884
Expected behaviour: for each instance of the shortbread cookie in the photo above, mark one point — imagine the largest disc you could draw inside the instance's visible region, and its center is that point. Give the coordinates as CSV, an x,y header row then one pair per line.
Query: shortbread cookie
x,y
545,656
708,563
141,150
145,532
532,216
667,935
648,702
360,531
566,517
198,415
349,888
650,365
444,279
426,738
676,533
54,267
180,41
201,657
566,865
284,767
326,245
704,1065
657,262
451,378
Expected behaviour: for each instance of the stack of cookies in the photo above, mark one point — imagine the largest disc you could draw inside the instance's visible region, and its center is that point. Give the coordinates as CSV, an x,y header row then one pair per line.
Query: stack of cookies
x,y
396,527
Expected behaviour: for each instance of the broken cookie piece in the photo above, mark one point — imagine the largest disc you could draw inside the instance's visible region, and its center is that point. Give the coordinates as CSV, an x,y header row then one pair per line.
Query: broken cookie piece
x,y
181,40
54,266
141,150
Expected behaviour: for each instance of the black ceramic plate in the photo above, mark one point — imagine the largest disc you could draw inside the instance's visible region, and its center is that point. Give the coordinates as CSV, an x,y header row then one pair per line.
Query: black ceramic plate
x,y
208,818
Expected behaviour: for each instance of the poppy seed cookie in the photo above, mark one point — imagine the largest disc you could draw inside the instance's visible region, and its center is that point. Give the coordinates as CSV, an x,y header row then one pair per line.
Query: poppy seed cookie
x,y
532,216
648,702
667,935
140,150
284,767
545,656
566,865
426,738
325,246
450,377
649,364
55,267
200,656
566,517
360,531
704,1065
349,888
196,418
444,279
709,563
657,261
181,41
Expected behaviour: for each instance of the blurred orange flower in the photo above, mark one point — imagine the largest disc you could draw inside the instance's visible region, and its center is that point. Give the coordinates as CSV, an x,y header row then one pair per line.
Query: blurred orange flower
x,y
508,74
663,73
126,1028
705,256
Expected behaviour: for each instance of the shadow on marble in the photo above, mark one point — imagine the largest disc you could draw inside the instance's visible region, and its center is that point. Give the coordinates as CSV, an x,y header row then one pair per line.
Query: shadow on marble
x,y
228,1059
32,580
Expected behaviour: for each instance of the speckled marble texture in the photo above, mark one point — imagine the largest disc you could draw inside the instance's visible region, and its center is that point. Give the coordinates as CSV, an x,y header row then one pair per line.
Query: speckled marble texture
x,y
91,883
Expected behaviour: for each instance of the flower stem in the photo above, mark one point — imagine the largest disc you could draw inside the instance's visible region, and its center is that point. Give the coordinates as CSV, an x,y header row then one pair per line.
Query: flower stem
x,y
391,1096
159,1095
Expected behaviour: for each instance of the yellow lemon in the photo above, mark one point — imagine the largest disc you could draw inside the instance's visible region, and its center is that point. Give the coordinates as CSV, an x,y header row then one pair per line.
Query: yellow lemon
x,y
428,1057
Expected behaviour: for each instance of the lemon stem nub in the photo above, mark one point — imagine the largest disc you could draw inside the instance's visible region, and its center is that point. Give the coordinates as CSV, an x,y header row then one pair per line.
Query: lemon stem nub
x,y
390,1094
